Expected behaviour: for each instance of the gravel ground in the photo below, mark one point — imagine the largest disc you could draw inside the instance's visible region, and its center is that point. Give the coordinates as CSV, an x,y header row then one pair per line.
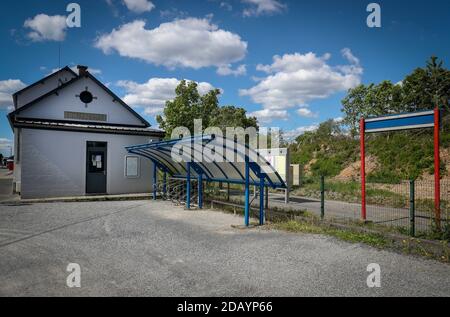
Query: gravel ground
x,y
145,248
5,184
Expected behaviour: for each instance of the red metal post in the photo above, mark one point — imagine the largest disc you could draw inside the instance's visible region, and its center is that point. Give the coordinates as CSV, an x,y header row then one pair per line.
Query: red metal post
x,y
362,126
437,186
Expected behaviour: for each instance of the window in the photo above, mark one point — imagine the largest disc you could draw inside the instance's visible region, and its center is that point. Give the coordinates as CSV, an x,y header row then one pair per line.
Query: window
x,y
96,162
86,97
132,166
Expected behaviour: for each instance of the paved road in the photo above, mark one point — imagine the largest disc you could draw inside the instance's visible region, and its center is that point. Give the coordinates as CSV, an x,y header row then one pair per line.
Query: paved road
x,y
154,249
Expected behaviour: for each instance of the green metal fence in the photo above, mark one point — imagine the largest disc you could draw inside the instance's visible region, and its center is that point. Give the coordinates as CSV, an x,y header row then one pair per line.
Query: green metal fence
x,y
407,206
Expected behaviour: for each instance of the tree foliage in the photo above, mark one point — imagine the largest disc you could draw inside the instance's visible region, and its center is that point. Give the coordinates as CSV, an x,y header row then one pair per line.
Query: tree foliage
x,y
329,146
424,89
189,105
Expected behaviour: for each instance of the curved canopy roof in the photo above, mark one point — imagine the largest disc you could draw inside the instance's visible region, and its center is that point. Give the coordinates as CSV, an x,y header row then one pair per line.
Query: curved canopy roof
x,y
213,158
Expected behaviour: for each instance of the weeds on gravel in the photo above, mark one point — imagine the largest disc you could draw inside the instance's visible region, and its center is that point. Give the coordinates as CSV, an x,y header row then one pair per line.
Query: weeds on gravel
x,y
355,237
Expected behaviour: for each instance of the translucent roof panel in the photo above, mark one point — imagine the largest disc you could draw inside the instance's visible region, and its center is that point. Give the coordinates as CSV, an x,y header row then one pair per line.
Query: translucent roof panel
x,y
214,158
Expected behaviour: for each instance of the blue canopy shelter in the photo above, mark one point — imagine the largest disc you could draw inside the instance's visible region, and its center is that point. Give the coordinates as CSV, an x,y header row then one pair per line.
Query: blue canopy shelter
x,y
214,159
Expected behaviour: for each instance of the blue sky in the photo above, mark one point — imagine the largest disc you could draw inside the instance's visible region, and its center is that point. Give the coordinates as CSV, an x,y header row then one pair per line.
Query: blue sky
x,y
141,48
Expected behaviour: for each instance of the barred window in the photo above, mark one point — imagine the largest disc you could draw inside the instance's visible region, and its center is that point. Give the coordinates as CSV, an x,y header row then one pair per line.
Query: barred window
x,y
85,116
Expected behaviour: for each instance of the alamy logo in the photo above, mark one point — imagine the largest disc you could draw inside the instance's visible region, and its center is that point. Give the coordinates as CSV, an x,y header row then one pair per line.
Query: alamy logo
x,y
374,18
74,278
74,18
374,278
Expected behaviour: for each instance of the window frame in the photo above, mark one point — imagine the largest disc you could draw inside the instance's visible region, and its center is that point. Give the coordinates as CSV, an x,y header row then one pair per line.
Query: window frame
x,y
138,166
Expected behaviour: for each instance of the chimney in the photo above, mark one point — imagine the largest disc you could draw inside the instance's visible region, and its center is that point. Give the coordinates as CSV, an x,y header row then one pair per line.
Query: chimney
x,y
82,70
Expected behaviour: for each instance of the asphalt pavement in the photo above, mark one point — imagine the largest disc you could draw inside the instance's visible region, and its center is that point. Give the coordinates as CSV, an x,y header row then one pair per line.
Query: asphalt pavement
x,y
146,248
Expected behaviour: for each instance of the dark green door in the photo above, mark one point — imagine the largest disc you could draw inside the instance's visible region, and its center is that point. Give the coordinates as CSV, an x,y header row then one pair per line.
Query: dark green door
x,y
96,167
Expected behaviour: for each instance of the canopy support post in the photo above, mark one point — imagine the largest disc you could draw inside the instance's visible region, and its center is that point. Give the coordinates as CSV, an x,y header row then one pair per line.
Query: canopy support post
x,y
188,186
247,192
155,180
261,200
200,191
165,182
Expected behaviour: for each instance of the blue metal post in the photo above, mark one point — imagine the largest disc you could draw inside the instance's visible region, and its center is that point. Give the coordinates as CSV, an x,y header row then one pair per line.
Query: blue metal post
x,y
188,186
165,182
247,192
261,200
200,191
155,180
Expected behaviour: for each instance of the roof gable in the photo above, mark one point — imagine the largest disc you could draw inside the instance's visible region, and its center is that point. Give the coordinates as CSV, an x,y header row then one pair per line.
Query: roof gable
x,y
43,86
108,103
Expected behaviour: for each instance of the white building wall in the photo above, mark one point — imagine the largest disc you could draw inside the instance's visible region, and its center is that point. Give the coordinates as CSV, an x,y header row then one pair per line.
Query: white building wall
x,y
54,164
17,161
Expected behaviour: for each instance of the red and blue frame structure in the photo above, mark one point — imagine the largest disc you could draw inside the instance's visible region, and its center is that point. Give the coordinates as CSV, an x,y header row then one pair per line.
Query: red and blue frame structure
x,y
397,122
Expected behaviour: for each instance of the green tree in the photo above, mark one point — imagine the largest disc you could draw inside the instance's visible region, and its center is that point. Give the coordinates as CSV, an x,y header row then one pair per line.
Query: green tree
x,y
372,100
426,88
230,116
423,89
189,105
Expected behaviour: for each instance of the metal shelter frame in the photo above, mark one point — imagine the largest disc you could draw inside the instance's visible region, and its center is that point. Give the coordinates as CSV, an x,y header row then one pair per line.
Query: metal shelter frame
x,y
197,158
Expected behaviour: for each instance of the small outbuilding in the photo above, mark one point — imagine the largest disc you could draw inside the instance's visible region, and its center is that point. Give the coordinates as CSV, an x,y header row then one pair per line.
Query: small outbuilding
x,y
70,134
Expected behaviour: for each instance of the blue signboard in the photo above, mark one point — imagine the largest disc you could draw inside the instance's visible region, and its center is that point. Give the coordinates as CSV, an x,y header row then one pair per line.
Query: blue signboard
x,y
424,119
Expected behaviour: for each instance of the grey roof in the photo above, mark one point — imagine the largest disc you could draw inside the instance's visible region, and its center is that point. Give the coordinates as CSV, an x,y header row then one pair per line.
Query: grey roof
x,y
85,127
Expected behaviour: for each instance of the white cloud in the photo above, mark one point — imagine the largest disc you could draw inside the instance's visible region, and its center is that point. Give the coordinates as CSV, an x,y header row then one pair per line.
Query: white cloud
x,y
139,6
93,71
294,79
6,146
46,28
7,88
347,53
305,112
226,70
263,7
292,134
226,5
190,42
267,115
153,94
172,13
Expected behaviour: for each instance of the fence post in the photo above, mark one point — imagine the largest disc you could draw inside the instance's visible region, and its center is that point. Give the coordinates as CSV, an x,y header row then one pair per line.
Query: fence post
x,y
362,125
322,197
188,186
437,177
412,209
